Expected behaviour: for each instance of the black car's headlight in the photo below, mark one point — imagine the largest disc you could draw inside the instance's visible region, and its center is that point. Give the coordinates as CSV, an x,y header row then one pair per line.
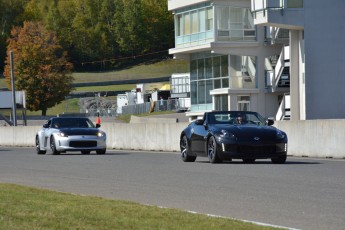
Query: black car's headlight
x,y
227,134
280,135
101,134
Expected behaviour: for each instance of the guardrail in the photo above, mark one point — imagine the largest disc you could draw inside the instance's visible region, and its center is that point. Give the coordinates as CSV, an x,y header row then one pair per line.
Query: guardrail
x,y
312,138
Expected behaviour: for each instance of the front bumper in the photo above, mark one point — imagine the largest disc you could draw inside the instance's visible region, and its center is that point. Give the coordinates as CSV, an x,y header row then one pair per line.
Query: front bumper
x,y
251,150
80,143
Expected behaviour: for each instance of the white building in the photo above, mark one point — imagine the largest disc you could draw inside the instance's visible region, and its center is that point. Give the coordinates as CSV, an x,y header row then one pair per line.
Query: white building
x,y
243,54
180,90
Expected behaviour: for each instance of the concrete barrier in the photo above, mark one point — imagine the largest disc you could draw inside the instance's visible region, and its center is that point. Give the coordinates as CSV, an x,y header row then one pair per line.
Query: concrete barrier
x,y
314,138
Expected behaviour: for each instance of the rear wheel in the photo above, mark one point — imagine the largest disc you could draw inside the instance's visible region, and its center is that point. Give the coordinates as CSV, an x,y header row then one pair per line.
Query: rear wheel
x,y
101,152
279,160
53,146
185,150
38,148
212,151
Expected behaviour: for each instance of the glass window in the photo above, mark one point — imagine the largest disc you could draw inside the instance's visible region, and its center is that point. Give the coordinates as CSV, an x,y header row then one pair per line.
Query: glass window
x,y
208,67
209,87
217,84
224,66
194,18
201,69
221,102
225,82
209,19
223,18
235,18
201,92
202,20
179,24
186,24
193,91
193,70
216,67
243,103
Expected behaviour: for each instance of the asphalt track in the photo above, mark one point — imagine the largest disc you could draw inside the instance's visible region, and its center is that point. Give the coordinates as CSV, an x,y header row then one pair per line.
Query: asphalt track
x,y
304,193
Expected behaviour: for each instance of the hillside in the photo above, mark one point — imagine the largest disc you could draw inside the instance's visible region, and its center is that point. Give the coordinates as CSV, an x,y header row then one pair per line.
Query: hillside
x,y
153,70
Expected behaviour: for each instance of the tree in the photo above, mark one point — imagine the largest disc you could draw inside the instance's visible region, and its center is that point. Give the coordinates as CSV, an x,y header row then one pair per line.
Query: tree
x,y
40,65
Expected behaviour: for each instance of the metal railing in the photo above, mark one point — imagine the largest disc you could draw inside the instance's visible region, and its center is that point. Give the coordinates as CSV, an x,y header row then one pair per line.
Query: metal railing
x,y
161,105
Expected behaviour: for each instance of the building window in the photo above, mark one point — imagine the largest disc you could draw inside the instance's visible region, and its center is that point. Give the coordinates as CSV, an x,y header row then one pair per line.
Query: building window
x,y
194,26
235,24
221,102
242,72
208,72
243,103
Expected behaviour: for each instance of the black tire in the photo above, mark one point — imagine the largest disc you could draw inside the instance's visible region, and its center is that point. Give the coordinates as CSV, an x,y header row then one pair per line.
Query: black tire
x,y
38,149
85,152
279,160
53,146
212,151
101,152
248,161
184,147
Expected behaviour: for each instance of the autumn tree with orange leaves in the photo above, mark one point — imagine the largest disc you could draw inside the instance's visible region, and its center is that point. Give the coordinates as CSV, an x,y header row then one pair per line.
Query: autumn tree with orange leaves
x,y
40,66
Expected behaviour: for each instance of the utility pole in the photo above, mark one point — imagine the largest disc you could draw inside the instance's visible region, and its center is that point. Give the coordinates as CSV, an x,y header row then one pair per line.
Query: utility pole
x,y
14,106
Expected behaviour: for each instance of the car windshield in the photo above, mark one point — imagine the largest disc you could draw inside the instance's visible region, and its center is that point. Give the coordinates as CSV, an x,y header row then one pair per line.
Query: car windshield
x,y
238,118
72,123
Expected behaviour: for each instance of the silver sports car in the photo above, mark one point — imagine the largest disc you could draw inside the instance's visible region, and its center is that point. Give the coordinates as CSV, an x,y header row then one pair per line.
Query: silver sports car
x,y
61,134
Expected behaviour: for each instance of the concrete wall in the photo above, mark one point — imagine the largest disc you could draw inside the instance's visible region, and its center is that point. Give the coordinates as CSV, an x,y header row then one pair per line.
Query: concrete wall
x,y
313,138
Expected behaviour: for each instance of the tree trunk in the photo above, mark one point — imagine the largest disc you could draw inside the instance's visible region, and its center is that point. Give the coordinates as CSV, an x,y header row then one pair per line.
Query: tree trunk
x,y
44,112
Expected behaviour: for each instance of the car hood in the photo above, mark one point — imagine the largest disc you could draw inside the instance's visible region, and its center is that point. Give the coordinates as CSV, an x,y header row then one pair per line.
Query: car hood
x,y
249,132
79,131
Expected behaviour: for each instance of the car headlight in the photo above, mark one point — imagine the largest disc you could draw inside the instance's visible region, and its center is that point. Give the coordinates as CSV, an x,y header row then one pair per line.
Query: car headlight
x,y
101,134
280,134
62,134
225,133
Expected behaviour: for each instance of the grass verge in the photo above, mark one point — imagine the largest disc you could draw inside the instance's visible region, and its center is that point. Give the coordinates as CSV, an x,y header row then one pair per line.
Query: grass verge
x,y
30,208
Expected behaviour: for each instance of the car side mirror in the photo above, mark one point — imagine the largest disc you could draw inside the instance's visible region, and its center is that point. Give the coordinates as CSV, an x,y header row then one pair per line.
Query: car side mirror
x,y
98,125
45,126
199,122
270,122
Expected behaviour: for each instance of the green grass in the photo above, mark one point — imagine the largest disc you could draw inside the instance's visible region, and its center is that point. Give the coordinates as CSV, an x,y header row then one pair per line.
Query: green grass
x,y
126,87
159,69
30,208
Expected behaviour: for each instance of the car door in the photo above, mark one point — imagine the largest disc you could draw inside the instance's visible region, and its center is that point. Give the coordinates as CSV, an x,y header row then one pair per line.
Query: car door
x,y
198,135
46,134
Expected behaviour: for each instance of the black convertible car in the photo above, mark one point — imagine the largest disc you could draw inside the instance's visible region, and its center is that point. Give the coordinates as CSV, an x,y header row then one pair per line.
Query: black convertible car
x,y
227,135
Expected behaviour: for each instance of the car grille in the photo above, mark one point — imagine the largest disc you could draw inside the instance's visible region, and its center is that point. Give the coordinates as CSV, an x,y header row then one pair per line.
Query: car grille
x,y
249,149
77,144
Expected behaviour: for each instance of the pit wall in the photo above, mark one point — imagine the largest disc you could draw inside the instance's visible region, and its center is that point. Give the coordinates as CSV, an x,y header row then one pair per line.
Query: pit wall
x,y
312,138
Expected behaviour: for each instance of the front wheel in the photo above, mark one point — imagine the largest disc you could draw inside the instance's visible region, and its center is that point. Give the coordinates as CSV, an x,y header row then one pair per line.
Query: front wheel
x,y
185,150
279,160
212,151
53,146
101,152
38,148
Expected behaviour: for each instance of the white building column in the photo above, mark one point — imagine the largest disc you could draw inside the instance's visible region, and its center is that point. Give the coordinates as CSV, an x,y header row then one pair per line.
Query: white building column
x,y
294,75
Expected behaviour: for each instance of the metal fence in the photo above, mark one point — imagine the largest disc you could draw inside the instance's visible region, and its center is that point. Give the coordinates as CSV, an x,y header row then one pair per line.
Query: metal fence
x,y
161,105
147,107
